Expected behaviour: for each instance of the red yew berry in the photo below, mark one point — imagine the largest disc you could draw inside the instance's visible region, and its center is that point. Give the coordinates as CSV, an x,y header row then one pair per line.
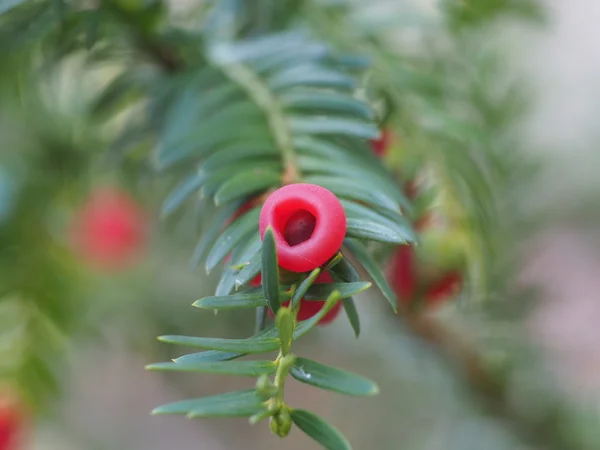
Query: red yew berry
x,y
110,230
309,308
11,423
401,273
381,145
309,225
444,289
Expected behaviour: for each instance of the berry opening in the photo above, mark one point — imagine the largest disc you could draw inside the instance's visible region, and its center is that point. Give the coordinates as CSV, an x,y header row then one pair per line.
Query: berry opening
x,y
299,227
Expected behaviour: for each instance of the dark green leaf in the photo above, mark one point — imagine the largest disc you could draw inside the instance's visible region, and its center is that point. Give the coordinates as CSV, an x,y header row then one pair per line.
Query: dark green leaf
x,y
346,188
370,265
117,93
352,314
241,228
270,271
322,432
351,61
210,234
326,102
222,176
252,299
321,291
305,326
250,271
345,271
309,51
213,355
257,48
303,287
209,356
250,345
175,143
180,193
397,223
347,166
332,378
333,125
239,152
261,318
241,368
236,301
246,183
372,231
241,255
230,404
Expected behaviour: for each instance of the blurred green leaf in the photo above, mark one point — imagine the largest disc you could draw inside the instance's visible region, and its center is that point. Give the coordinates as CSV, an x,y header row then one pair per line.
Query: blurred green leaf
x,y
231,404
212,231
321,291
252,299
180,193
245,183
208,356
303,287
326,102
397,224
250,271
360,228
250,345
7,5
305,326
309,75
352,314
241,255
241,228
332,378
362,254
260,318
345,271
333,125
239,152
322,432
214,355
241,368
222,176
345,188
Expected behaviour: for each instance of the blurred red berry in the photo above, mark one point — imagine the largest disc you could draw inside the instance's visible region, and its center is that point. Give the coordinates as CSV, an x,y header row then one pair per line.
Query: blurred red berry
x,y
110,230
308,222
402,273
11,423
381,145
308,308
444,289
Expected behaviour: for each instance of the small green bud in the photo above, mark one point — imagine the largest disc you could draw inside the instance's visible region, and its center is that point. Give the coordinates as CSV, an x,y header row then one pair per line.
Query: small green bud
x,y
281,423
265,388
285,326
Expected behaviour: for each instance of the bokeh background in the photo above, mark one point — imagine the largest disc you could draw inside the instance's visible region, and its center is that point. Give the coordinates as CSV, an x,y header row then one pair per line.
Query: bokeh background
x,y
106,395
